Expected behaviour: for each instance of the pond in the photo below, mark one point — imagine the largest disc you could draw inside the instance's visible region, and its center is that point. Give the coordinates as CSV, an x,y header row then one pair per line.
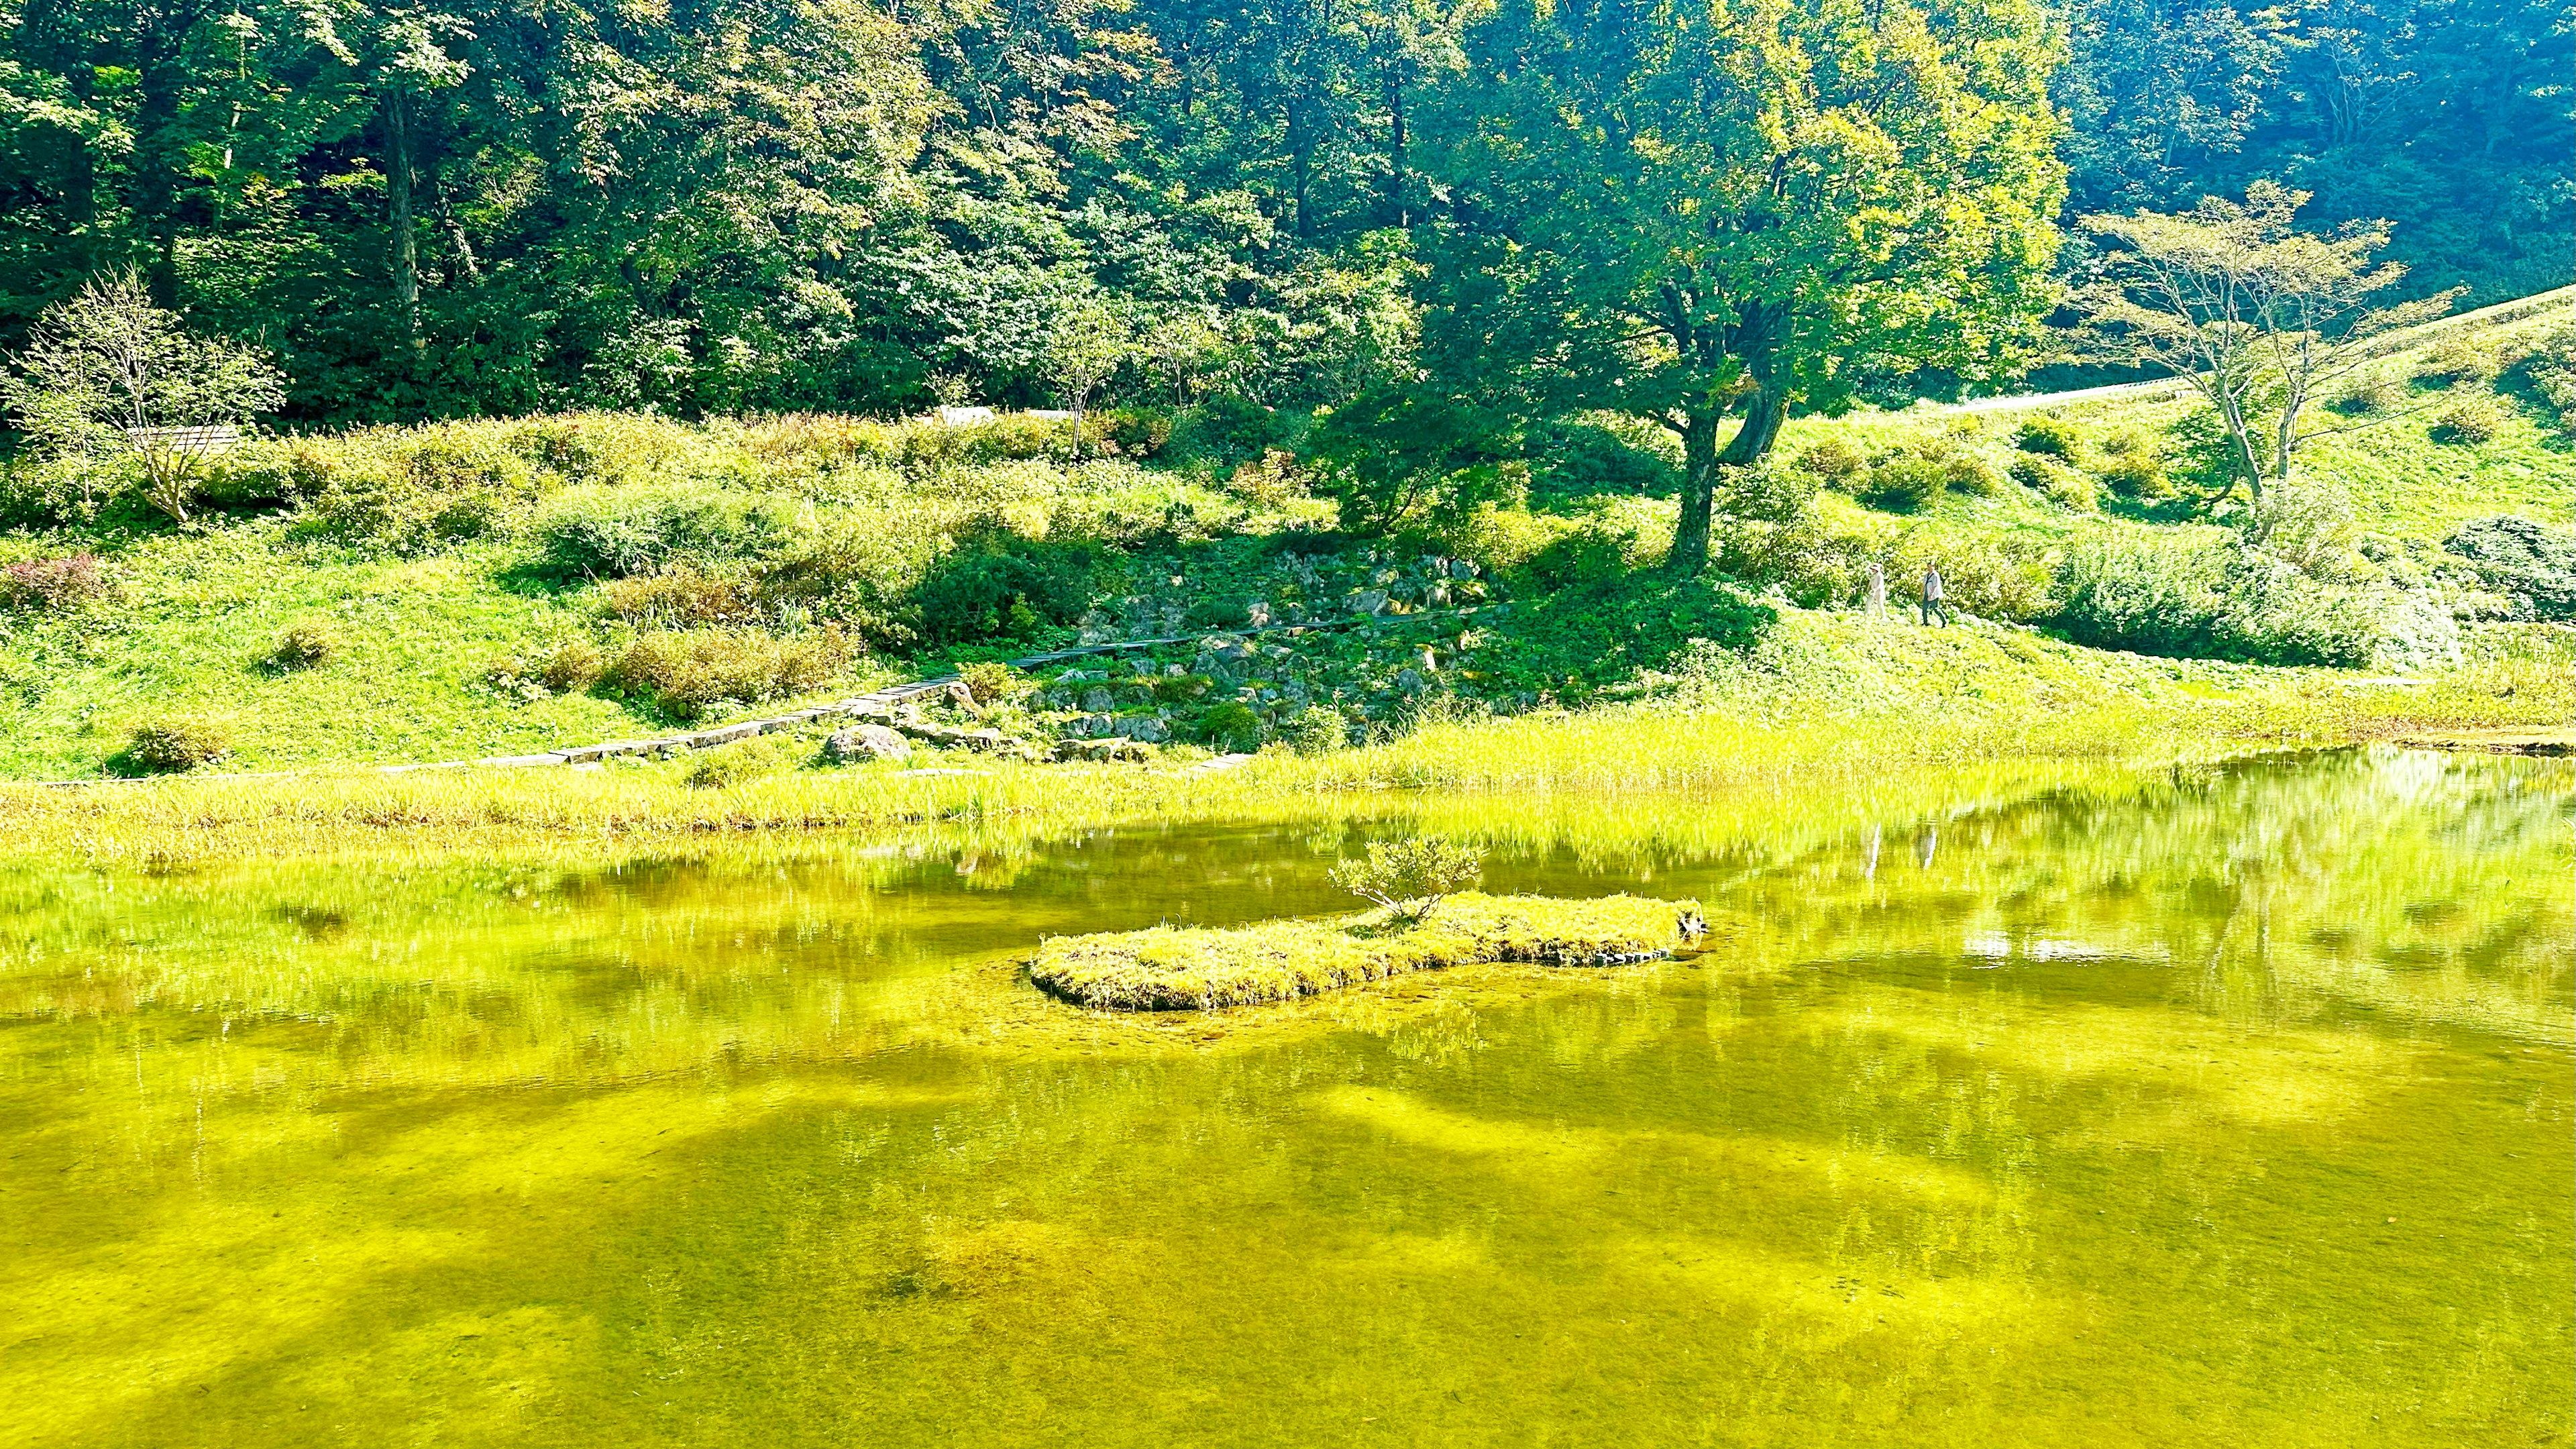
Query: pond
x,y
2220,1105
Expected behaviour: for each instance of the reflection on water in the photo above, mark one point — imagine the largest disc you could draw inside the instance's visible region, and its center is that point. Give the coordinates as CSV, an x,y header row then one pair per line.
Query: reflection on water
x,y
2217,1107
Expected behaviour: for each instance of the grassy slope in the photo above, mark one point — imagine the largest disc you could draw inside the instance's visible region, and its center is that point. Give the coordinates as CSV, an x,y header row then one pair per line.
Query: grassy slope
x,y
200,609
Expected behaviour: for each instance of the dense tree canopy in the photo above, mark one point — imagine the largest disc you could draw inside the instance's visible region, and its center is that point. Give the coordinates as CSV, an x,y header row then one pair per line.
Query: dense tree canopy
x,y
691,205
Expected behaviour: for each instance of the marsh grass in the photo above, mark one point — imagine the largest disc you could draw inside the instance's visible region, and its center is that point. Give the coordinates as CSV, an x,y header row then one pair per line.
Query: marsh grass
x,y
1171,968
1835,708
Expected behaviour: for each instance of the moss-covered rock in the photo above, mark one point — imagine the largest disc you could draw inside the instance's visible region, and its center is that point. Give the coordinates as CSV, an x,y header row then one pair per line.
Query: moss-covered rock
x,y
1176,968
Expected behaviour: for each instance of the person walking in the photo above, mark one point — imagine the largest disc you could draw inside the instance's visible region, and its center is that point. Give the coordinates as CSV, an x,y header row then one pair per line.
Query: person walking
x,y
1932,606
1877,590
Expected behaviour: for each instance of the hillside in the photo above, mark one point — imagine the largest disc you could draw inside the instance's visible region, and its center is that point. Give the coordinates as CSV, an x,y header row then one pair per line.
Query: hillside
x,y
470,589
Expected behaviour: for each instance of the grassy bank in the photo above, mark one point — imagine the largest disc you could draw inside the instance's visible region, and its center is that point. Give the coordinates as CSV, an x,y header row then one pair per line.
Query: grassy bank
x,y
1833,707
1167,968
467,589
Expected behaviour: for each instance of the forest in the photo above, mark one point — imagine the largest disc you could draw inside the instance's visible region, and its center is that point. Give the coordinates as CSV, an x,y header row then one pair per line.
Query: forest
x,y
1436,213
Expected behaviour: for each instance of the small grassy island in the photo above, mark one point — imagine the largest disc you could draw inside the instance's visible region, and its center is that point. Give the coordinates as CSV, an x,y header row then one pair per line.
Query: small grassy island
x,y
1172,968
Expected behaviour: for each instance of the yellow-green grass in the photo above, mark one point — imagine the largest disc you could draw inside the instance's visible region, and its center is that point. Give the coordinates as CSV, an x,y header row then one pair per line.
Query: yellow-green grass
x,y
1833,703
1171,968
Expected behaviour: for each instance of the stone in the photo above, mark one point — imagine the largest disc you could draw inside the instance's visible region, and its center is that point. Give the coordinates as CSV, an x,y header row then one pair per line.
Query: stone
x,y
1099,700
1437,596
1257,613
866,742
1144,729
985,740
1369,601
1408,681
1459,568
962,697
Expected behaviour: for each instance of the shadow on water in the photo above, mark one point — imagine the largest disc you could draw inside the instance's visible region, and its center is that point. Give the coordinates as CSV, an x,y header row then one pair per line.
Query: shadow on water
x,y
2213,1106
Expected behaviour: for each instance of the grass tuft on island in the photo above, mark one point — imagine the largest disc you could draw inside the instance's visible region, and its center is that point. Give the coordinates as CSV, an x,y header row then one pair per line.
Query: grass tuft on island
x,y
1169,968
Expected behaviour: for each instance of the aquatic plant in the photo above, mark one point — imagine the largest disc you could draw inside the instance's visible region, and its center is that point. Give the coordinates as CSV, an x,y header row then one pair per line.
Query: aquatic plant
x,y
1408,877
1175,968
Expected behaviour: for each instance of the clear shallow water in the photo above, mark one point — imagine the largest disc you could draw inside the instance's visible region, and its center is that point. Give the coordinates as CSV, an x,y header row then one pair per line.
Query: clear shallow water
x,y
2219,1108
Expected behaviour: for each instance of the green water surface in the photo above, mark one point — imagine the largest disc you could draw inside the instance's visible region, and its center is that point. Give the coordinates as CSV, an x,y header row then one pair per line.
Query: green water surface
x,y
2214,1107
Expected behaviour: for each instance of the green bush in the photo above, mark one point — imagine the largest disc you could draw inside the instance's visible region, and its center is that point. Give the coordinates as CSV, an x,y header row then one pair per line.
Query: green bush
x,y
1904,482
685,597
2059,483
2209,597
1318,729
1982,575
1581,457
1836,462
2550,370
1230,726
571,667
2135,472
172,746
303,646
689,674
732,764
1608,628
2372,394
612,532
2472,419
989,681
1410,876
2051,436
1227,428
999,586
2533,565
2460,358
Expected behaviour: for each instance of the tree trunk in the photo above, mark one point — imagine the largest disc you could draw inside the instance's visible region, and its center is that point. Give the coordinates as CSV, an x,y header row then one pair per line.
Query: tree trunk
x,y
1699,491
1763,414
406,251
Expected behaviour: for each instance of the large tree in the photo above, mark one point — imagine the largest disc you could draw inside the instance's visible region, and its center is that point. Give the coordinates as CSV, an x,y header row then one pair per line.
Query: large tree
x,y
1697,210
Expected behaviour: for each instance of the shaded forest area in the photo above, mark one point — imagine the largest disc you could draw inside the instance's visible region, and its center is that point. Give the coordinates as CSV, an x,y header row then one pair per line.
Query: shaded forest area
x,y
699,206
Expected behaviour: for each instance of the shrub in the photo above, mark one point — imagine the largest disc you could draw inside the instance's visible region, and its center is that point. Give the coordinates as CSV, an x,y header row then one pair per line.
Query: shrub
x,y
569,668
171,746
1230,726
1610,628
2135,472
1602,453
1409,877
2308,522
2208,596
2472,419
613,532
2459,358
2051,436
688,674
29,585
988,681
997,585
684,597
2532,565
1971,473
303,646
2373,394
2550,367
2058,483
1981,575
1836,462
731,764
1227,427
1318,729
1904,482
